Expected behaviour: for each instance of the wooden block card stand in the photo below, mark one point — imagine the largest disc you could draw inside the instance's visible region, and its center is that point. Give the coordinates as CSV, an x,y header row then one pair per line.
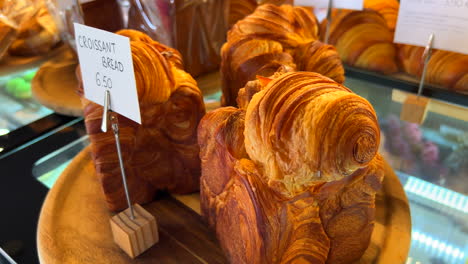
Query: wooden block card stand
x,y
415,107
134,236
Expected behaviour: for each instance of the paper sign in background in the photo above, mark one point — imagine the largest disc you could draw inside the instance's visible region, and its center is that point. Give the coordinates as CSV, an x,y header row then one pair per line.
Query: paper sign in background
x,y
346,4
447,19
106,64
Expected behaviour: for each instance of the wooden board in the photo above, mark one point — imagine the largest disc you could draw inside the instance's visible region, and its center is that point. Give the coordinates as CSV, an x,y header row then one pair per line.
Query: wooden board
x,y
74,225
55,84
13,64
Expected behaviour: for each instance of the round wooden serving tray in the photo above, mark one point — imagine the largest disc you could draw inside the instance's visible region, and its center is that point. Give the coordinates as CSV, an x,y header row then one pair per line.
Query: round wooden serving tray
x,y
55,84
74,225
12,64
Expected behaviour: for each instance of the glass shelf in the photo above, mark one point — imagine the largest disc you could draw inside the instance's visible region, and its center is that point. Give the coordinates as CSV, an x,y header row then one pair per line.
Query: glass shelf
x,y
17,107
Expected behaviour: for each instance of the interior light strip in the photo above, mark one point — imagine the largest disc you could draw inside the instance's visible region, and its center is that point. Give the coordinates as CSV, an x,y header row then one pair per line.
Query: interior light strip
x,y
442,247
437,194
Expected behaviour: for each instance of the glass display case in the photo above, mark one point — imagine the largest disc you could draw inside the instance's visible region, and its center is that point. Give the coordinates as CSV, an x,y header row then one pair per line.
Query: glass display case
x,y
17,107
430,160
22,118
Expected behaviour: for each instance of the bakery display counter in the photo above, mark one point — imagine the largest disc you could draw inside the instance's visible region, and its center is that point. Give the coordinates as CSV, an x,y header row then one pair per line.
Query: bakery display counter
x,y
437,198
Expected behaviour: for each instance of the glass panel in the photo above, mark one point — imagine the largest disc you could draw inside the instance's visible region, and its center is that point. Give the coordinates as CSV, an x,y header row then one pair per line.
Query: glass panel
x,y
431,161
17,106
48,168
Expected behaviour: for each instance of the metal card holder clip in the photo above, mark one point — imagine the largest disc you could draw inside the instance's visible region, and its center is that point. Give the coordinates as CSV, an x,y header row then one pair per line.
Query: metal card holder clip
x,y
426,56
106,115
134,222
414,108
329,21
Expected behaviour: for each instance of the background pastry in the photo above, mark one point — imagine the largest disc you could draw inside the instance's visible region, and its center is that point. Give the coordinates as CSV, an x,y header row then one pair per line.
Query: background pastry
x,y
37,35
283,173
363,40
162,152
445,68
238,9
272,37
388,9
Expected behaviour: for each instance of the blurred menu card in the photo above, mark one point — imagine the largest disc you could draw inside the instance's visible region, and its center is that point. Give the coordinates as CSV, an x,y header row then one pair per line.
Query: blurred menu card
x,y
447,19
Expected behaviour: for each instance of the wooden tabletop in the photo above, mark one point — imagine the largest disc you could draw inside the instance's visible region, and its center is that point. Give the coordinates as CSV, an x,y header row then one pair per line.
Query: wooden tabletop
x,y
74,224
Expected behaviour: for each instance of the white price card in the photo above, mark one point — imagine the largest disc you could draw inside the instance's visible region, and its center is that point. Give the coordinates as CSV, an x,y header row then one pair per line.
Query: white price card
x,y
106,64
447,19
345,4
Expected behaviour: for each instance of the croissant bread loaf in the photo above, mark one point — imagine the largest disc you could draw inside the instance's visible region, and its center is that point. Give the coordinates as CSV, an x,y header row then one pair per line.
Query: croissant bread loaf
x,y
445,68
272,37
291,176
162,152
363,39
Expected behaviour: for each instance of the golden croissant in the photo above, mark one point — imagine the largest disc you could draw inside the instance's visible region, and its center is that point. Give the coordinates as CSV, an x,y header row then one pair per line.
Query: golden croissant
x,y
272,37
363,40
162,152
445,68
238,9
291,176
387,8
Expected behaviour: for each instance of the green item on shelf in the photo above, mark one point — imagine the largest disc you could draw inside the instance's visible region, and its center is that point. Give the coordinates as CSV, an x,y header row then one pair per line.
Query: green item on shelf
x,y
19,88
29,76
23,91
12,84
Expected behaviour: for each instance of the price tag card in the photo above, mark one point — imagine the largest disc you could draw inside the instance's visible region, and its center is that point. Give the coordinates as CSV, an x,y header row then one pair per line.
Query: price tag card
x,y
345,4
106,64
447,19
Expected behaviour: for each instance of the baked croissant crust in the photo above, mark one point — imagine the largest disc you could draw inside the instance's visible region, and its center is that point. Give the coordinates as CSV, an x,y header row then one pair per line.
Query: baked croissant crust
x,y
37,36
363,40
291,176
445,68
387,8
162,152
238,9
272,37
